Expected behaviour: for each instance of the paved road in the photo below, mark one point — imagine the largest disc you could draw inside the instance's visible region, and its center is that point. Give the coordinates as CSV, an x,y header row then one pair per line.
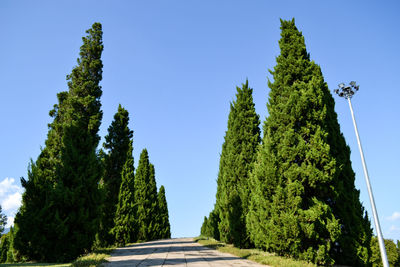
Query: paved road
x,y
173,252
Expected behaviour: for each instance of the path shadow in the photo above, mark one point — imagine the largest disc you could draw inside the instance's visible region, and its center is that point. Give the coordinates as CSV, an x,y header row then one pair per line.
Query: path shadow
x,y
151,243
193,254
170,261
156,249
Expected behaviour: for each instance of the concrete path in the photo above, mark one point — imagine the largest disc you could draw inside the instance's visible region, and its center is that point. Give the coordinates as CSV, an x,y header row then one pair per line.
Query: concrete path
x,y
173,252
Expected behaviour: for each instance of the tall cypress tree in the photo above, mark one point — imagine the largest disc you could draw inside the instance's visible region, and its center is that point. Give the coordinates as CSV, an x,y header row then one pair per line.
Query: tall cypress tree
x,y
3,221
12,253
164,226
153,226
146,199
4,245
34,236
237,157
117,143
203,229
303,172
60,207
210,225
124,219
76,195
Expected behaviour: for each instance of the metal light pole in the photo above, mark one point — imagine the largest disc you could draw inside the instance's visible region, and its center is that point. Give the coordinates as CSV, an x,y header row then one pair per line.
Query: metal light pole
x,y
347,91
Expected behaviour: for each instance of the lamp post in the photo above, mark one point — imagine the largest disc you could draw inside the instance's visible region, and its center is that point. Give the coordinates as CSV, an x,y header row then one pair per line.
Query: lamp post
x,y
347,91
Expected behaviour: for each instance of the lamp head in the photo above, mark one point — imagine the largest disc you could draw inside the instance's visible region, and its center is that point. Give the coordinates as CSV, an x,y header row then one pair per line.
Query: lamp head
x,y
347,91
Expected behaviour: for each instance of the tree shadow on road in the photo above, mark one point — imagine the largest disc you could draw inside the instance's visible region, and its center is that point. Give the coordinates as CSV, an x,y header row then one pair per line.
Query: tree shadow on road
x,y
170,261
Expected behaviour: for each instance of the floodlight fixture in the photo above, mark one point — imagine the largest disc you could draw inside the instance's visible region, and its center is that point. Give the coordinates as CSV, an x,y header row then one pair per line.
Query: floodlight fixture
x,y
347,91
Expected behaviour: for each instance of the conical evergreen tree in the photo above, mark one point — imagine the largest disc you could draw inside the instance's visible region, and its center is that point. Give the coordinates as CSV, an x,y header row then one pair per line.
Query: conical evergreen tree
x,y
60,207
76,195
4,245
213,223
303,172
3,221
210,225
164,226
12,254
153,226
146,199
34,218
203,230
124,220
238,154
117,145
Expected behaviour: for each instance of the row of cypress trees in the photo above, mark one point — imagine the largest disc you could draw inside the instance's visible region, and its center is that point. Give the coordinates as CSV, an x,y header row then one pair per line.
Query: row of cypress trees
x,y
131,201
292,193
76,197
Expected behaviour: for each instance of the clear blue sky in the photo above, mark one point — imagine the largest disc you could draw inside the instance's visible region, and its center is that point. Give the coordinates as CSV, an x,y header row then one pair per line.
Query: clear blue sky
x,y
174,66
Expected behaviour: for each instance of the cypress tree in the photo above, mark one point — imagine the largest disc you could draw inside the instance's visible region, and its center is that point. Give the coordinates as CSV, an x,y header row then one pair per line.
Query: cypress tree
x,y
213,222
146,199
7,251
3,221
238,154
210,225
35,235
12,255
76,195
4,245
154,226
203,230
124,220
34,218
303,172
60,207
117,143
164,226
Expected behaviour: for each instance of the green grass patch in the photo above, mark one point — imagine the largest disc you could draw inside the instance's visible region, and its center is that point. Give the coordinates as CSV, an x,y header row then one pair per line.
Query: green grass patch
x,y
253,254
36,264
94,259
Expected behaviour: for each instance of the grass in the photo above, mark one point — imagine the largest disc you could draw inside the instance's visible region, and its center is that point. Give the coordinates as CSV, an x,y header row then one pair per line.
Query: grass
x,y
253,254
37,264
94,259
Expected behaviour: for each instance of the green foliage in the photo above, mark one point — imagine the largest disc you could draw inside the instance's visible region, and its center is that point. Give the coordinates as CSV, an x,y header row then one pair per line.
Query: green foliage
x,y
61,204
4,245
7,251
304,203
210,225
3,221
11,253
117,147
238,154
34,215
203,230
96,258
391,253
164,226
124,220
256,255
146,199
